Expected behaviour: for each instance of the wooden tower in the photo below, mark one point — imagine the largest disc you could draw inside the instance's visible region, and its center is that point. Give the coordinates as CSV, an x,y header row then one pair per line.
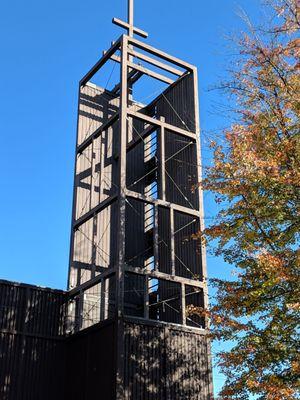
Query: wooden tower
x,y
136,271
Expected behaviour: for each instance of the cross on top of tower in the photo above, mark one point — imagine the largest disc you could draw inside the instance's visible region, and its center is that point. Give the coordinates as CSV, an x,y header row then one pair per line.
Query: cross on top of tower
x,y
129,26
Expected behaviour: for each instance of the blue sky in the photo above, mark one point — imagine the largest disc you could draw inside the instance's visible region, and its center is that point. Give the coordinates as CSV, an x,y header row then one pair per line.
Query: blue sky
x,y
46,47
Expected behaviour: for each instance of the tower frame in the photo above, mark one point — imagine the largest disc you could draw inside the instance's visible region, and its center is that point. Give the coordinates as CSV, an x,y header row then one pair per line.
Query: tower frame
x,y
124,52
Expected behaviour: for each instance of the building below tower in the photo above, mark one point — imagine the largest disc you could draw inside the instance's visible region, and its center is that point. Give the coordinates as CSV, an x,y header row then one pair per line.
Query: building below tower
x,y
39,361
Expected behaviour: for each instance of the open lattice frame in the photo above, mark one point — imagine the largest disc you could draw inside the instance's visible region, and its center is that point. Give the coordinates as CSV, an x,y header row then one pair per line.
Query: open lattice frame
x,y
137,206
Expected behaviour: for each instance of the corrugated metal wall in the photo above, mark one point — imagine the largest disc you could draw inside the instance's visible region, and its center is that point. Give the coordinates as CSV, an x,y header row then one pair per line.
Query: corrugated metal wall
x,y
163,363
31,345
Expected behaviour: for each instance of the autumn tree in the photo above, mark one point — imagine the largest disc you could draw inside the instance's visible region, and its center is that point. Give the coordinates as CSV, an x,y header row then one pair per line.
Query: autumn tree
x,y
256,177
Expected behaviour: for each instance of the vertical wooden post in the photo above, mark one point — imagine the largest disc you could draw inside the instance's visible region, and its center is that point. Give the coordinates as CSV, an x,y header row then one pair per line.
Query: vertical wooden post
x,y
94,247
156,239
183,305
121,220
202,227
79,312
146,297
162,161
199,171
104,299
172,241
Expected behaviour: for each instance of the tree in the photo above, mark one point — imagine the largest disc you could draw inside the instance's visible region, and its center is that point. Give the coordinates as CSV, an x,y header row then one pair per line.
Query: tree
x,y
256,176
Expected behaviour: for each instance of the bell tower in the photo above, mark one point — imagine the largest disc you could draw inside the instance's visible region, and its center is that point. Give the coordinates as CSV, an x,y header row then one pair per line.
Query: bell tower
x,y
136,270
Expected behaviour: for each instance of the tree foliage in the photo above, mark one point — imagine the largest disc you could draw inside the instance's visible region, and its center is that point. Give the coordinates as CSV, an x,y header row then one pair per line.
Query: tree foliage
x,y
256,176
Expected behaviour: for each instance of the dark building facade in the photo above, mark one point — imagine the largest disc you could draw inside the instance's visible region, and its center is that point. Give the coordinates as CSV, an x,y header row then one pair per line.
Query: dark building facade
x,y
126,328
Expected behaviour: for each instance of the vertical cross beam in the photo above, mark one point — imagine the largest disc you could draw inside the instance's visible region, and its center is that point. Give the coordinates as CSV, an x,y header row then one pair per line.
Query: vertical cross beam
x,y
130,17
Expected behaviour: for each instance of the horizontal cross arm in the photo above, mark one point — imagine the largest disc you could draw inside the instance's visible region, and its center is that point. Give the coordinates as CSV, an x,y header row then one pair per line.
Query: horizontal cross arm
x,y
125,25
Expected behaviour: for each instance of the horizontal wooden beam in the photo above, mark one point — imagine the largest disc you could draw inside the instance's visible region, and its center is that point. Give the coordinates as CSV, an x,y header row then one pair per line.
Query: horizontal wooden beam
x,y
170,325
133,76
162,203
144,70
97,133
31,335
164,276
125,25
146,132
153,74
156,63
90,214
156,122
90,283
115,58
161,54
98,208
101,62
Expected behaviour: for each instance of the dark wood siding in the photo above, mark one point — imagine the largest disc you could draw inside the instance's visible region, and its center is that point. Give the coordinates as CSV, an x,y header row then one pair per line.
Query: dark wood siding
x,y
31,345
90,363
165,363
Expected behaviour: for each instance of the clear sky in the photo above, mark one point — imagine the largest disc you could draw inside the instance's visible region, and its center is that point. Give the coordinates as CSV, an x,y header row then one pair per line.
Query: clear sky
x,y
46,47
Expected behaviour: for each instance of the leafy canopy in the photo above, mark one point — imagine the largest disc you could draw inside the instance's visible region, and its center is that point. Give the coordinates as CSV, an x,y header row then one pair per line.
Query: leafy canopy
x,y
256,173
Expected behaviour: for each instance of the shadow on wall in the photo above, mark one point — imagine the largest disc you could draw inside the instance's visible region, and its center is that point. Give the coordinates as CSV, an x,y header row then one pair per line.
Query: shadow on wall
x,y
165,363
96,180
160,363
